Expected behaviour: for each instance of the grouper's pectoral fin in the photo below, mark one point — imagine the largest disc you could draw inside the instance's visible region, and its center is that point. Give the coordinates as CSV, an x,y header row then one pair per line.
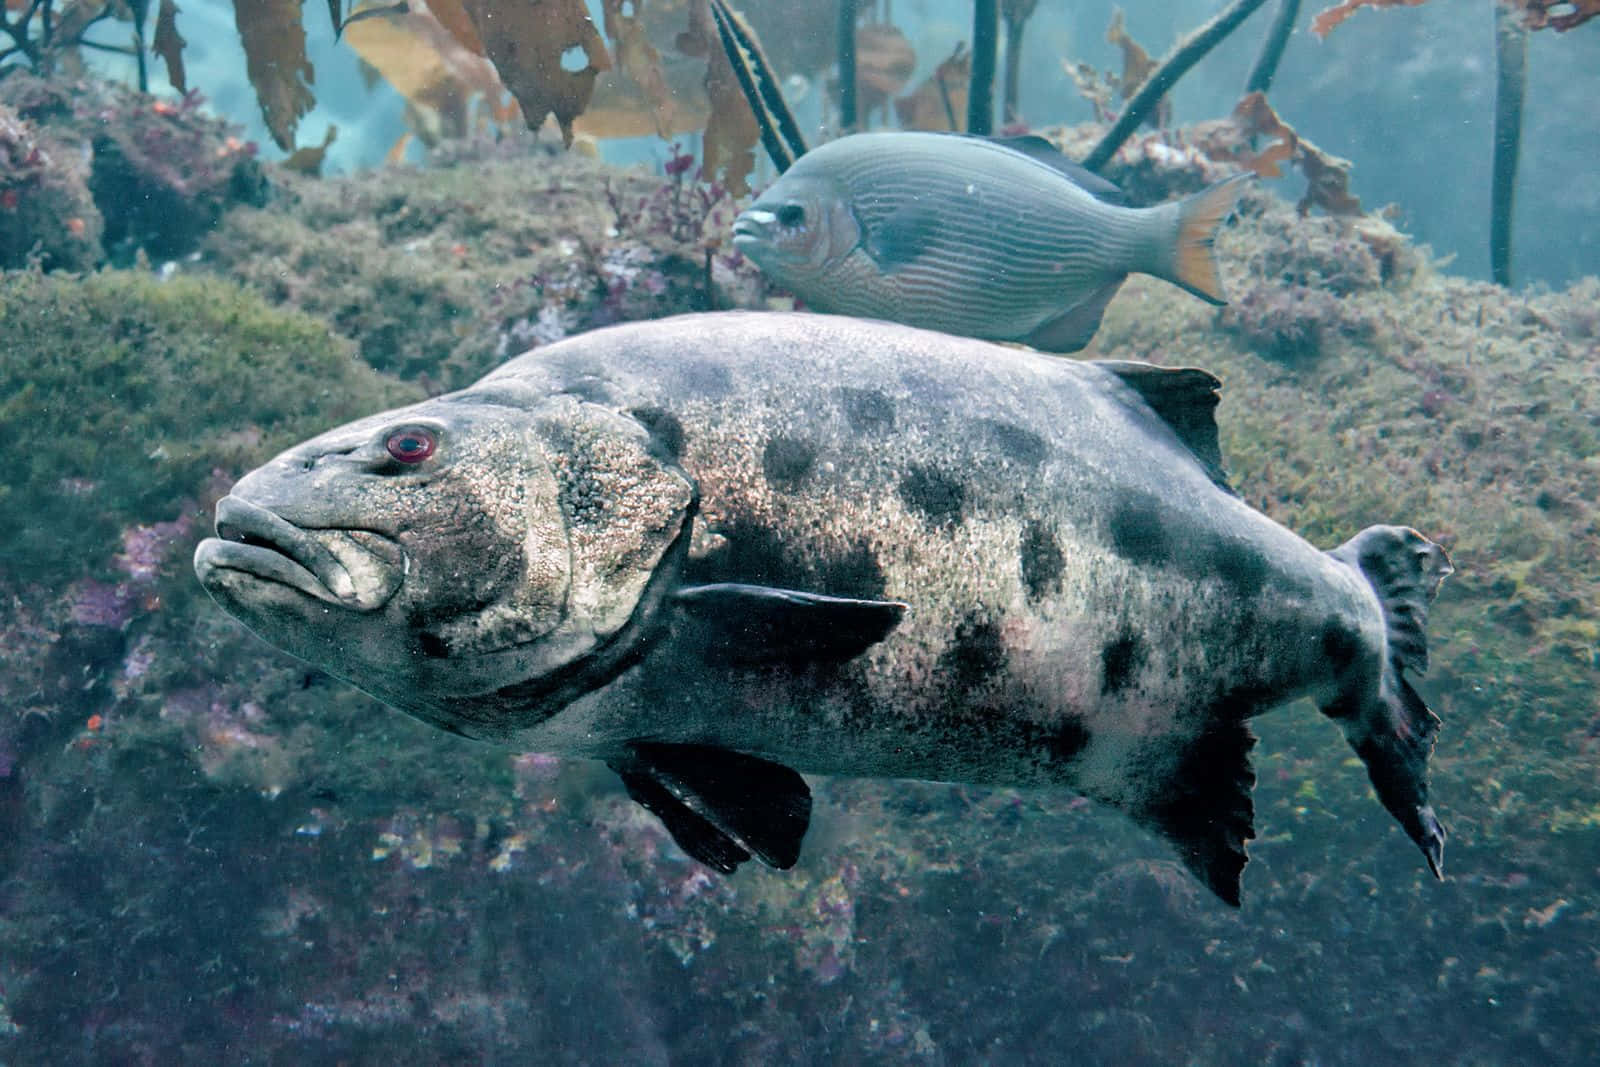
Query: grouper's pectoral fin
x,y
1205,810
720,806
756,625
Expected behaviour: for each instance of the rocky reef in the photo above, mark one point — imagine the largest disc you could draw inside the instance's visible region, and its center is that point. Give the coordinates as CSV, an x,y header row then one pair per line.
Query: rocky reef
x,y
210,853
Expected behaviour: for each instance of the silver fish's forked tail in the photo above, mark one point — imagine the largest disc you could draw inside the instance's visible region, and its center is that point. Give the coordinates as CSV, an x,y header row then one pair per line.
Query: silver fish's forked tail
x,y
1200,216
1387,724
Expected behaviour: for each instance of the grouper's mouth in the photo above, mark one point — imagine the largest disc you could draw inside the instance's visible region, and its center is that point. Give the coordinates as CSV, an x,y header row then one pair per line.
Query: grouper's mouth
x,y
350,568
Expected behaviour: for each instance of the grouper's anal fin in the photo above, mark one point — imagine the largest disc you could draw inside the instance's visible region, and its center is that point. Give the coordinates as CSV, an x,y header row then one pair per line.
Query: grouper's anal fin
x,y
720,806
1205,810
740,625
1186,399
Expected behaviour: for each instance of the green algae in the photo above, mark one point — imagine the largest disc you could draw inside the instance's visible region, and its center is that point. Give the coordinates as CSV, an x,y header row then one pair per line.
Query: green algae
x,y
120,394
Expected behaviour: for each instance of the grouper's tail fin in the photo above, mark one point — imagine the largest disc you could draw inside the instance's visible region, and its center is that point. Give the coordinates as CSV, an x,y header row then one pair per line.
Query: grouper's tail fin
x,y
1389,726
1194,265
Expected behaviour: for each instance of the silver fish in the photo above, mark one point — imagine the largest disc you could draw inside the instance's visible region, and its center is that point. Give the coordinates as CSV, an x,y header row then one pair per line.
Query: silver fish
x,y
716,550
1003,239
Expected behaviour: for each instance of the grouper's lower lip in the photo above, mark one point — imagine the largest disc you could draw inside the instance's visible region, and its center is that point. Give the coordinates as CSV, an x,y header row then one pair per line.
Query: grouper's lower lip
x,y
256,541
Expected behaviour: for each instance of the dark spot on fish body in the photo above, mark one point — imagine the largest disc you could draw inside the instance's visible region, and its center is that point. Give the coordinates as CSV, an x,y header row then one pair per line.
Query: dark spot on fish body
x,y
1120,662
432,646
665,429
752,552
787,461
1137,531
706,378
867,410
975,654
1067,740
756,553
1341,645
1239,565
934,494
591,388
855,572
1041,560
1014,442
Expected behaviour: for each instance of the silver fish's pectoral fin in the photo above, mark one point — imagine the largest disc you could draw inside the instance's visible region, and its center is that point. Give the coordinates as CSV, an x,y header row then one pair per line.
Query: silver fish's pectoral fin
x,y
1205,810
1385,721
720,806
1075,327
899,239
739,625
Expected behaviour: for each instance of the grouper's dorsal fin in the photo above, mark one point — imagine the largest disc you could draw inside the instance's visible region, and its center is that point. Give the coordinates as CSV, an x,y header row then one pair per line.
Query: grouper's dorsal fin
x,y
1186,400
742,625
1037,148
1205,809
720,806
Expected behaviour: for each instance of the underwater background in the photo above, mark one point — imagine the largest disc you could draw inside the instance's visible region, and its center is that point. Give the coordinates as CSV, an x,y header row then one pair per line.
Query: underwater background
x,y
210,852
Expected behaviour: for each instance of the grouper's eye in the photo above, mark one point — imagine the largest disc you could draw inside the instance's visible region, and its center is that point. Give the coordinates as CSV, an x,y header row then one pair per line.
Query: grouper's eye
x,y
411,444
791,215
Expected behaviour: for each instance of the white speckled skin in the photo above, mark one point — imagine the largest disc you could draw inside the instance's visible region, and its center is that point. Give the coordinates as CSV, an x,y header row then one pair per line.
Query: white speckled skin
x,y
1084,601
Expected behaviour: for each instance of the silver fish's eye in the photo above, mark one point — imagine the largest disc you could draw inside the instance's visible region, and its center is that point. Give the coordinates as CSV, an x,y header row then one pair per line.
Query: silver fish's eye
x,y
791,215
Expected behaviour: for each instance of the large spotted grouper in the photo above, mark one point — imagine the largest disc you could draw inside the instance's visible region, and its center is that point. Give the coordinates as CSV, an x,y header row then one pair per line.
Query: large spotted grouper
x,y
718,550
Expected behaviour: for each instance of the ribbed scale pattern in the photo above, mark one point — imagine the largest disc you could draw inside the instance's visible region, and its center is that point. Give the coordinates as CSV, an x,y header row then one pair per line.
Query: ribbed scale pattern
x,y
1015,243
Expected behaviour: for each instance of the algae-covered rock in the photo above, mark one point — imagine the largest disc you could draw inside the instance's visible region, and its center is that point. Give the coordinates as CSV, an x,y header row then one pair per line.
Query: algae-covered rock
x,y
120,395
439,275
108,172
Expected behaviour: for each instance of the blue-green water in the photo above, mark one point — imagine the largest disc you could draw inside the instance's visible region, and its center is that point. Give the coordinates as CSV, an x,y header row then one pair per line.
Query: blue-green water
x,y
210,852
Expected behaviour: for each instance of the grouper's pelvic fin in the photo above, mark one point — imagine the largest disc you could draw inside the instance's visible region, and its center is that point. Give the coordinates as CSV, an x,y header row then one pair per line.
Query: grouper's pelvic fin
x,y
1389,726
1194,266
719,806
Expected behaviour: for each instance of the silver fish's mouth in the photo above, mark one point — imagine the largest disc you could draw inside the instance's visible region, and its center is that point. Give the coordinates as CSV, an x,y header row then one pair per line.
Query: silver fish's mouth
x,y
349,568
753,226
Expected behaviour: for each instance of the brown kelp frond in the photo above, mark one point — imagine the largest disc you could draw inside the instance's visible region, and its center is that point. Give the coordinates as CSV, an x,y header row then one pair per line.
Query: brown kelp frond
x,y
1558,15
1537,14
1137,66
308,160
940,103
734,126
744,64
885,62
1328,18
1254,137
525,42
276,62
638,59
437,74
1185,54
1015,14
168,44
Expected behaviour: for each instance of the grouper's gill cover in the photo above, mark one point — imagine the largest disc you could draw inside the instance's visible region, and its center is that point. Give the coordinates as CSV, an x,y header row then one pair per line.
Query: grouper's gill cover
x,y
1002,239
718,550
513,536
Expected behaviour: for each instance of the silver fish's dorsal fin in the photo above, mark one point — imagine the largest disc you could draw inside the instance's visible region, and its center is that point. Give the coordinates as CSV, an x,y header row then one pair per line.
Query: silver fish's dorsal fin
x,y
1037,148
1186,400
